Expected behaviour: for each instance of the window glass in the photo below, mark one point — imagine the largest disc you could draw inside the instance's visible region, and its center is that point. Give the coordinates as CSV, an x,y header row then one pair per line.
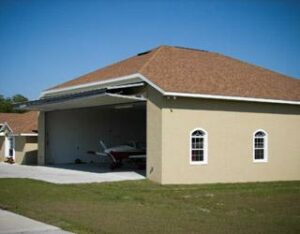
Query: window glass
x,y
198,149
260,146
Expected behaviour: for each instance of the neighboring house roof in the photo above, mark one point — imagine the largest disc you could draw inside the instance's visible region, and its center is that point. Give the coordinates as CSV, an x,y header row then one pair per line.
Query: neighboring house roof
x,y
183,70
20,123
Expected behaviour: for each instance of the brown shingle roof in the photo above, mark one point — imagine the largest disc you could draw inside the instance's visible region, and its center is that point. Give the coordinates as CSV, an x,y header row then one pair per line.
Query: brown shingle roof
x,y
185,70
20,123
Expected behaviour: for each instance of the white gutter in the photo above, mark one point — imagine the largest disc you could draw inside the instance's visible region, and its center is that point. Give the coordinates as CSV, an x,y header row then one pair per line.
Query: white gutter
x,y
231,98
28,134
177,94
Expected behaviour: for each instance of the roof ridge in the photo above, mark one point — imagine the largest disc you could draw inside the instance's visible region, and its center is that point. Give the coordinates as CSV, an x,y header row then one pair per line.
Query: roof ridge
x,y
188,48
150,59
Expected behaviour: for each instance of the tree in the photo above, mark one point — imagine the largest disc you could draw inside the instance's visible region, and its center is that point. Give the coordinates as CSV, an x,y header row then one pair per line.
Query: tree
x,y
19,98
6,104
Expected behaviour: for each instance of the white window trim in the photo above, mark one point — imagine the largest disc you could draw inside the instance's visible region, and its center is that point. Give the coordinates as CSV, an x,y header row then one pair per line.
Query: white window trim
x,y
266,146
205,155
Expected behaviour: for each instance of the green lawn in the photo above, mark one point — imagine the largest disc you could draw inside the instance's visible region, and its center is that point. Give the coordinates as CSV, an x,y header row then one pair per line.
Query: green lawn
x,y
145,207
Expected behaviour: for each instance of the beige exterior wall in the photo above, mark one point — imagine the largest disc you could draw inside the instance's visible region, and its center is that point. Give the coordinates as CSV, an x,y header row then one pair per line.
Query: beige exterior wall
x,y
154,135
230,127
26,150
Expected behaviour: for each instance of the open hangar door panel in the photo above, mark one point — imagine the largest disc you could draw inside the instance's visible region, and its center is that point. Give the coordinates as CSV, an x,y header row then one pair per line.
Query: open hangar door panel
x,y
70,134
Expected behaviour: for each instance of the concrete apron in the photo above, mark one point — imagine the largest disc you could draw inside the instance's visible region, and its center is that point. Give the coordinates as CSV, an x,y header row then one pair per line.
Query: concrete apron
x,y
67,174
14,223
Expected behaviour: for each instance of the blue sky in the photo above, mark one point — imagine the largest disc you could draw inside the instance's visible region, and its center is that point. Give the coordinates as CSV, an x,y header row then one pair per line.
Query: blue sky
x,y
46,42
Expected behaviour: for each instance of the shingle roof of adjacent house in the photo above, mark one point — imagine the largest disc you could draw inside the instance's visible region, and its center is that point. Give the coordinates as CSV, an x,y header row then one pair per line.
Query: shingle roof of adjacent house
x,y
20,123
183,70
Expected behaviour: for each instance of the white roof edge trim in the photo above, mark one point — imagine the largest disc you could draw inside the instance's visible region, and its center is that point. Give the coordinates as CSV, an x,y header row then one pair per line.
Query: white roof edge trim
x,y
152,84
91,84
232,98
191,95
29,134
5,124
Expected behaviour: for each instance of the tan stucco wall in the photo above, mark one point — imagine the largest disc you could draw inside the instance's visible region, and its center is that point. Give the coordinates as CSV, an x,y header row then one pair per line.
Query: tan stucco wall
x,y
230,127
25,149
154,135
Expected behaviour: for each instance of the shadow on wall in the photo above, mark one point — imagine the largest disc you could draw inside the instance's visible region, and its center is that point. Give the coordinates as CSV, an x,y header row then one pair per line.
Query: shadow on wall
x,y
20,142
26,150
30,158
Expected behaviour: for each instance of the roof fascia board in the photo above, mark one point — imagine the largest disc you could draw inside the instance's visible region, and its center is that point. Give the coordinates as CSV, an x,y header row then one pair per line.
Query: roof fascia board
x,y
190,95
231,98
28,134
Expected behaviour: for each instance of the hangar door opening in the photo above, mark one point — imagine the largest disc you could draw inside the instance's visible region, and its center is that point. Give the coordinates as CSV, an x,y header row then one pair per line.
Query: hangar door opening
x,y
71,135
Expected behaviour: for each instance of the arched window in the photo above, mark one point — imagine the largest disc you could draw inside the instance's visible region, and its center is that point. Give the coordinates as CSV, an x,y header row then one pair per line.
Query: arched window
x,y
198,150
260,146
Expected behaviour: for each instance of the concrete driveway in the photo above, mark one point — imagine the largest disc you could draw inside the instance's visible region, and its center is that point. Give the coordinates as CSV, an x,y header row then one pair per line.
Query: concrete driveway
x,y
14,223
69,174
